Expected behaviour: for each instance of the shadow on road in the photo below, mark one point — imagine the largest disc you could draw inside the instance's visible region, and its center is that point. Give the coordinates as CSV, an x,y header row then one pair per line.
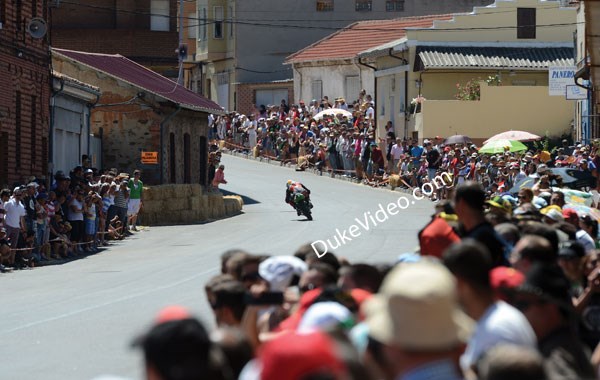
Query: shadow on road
x,y
247,200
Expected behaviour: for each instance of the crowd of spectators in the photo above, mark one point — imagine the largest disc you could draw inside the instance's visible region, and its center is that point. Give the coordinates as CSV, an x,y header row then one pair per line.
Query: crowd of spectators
x,y
345,143
493,292
75,215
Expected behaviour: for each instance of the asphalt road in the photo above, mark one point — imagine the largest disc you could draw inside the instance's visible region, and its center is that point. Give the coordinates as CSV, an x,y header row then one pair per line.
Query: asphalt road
x,y
76,320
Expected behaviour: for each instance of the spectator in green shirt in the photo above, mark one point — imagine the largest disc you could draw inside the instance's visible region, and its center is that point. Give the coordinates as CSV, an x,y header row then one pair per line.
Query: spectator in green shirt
x,y
136,189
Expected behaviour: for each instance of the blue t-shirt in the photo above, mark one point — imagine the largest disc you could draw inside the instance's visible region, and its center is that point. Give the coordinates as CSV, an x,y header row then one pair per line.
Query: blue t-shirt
x,y
416,152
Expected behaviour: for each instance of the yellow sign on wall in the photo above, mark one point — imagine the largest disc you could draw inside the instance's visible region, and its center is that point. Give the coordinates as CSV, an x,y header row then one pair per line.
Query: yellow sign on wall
x,y
149,157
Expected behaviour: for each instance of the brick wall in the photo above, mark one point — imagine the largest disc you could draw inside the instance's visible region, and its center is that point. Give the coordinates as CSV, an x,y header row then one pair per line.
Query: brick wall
x,y
24,95
95,26
130,129
246,94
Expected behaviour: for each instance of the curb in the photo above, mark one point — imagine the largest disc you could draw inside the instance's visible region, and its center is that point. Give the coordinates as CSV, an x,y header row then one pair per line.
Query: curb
x,y
266,160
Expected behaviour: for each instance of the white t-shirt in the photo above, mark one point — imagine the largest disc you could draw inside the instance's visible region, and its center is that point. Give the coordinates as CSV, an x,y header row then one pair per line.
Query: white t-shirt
x,y
501,323
586,240
14,211
75,215
397,151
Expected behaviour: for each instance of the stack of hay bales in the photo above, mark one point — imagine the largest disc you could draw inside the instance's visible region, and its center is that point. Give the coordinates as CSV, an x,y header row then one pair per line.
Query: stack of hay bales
x,y
394,181
185,204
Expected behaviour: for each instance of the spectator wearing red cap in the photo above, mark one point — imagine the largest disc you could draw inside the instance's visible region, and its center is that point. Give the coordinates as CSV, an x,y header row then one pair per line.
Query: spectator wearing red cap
x,y
296,357
504,282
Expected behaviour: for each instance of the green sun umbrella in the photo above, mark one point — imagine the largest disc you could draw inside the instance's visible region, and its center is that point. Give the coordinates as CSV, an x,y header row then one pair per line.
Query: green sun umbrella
x,y
497,146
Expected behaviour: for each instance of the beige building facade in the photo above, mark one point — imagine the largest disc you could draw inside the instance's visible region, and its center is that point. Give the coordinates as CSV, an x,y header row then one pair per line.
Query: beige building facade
x,y
513,41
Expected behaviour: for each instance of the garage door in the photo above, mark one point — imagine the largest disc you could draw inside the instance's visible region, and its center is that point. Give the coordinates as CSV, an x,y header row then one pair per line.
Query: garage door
x,y
272,96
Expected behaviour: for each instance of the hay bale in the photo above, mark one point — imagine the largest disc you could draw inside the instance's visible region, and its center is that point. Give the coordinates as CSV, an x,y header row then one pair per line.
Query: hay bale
x,y
149,218
182,191
196,190
233,204
160,192
195,203
187,216
148,193
151,206
176,204
394,181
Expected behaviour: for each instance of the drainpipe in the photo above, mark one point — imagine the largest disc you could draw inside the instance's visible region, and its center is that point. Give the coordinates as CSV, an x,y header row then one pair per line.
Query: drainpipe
x,y
300,75
162,126
360,62
52,115
90,106
405,89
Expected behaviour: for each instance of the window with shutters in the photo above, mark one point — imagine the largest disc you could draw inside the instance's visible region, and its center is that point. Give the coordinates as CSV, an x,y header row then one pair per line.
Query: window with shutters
x,y
19,6
526,22
192,26
33,129
352,88
363,5
317,89
2,12
203,26
159,15
394,5
18,130
218,24
230,22
324,5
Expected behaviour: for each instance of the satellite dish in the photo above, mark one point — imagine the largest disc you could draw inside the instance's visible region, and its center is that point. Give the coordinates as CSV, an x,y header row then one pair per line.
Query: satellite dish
x,y
37,28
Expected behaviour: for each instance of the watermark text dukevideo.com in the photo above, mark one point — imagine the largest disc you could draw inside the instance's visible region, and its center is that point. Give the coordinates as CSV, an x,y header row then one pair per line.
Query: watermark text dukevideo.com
x,y
369,220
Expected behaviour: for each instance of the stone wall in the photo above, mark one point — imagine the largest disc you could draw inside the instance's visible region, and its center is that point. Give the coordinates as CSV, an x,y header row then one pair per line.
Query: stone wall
x,y
186,204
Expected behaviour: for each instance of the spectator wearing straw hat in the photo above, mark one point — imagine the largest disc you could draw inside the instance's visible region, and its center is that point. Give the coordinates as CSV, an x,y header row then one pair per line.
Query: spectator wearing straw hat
x,y
415,325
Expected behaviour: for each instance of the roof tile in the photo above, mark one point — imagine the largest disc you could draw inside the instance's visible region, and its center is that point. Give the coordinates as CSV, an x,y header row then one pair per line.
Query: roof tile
x,y
360,36
139,76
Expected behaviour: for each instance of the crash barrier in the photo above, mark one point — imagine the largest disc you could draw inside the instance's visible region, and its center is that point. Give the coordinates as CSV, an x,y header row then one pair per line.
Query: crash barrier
x,y
186,204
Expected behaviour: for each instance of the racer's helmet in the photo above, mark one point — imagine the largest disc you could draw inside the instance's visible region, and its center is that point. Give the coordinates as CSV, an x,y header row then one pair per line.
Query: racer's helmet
x,y
289,183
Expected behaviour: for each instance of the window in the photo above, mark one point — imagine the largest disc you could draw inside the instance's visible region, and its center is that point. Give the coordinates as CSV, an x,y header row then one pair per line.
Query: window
x,y
187,167
230,22
19,6
159,15
324,5
317,89
526,23
192,26
218,25
363,5
394,5
33,128
172,158
203,25
352,88
18,130
2,11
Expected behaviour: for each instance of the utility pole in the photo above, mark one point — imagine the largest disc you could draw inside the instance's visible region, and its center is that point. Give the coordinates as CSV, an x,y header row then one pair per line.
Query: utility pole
x,y
181,55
